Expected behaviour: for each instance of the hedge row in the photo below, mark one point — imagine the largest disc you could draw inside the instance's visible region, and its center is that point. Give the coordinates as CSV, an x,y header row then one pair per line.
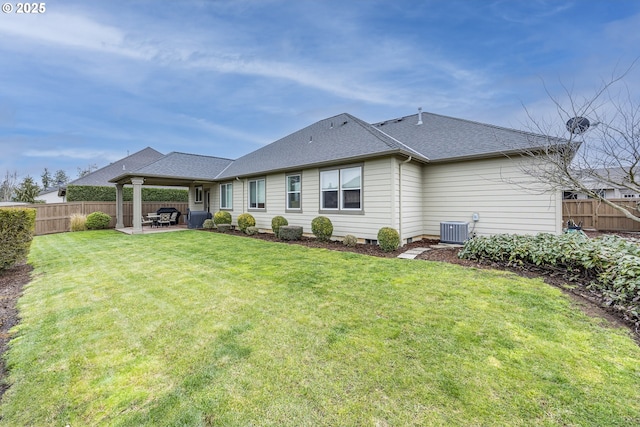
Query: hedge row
x,y
86,193
610,264
17,226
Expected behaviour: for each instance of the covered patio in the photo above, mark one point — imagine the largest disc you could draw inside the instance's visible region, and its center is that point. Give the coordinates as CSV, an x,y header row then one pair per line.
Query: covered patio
x,y
175,169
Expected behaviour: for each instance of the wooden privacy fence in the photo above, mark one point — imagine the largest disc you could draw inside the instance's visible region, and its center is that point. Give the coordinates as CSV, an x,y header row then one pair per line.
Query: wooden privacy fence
x,y
56,217
595,215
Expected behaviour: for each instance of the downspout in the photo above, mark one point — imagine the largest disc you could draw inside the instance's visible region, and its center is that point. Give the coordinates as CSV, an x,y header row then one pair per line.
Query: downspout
x,y
400,195
243,199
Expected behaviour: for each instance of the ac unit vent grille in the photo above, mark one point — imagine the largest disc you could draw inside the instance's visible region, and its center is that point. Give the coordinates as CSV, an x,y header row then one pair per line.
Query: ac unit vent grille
x,y
454,232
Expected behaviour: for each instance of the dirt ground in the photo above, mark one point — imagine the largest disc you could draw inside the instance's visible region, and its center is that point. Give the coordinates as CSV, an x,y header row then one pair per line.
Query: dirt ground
x,y
13,280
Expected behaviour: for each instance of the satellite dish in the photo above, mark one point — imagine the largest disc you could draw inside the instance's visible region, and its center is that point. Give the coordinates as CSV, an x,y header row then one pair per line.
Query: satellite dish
x,y
578,125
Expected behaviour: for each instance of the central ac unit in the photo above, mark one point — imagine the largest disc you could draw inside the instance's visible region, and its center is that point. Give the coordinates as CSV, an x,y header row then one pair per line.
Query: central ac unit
x,y
454,232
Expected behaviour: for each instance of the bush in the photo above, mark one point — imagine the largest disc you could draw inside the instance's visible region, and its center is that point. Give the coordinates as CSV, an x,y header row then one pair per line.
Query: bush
x,y
17,226
290,232
98,221
90,193
350,241
252,230
277,222
224,228
322,228
208,224
245,221
222,217
78,222
388,239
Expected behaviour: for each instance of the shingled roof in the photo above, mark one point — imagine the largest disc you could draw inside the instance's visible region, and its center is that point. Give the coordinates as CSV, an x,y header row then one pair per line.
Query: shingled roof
x,y
441,138
339,138
343,138
132,162
180,166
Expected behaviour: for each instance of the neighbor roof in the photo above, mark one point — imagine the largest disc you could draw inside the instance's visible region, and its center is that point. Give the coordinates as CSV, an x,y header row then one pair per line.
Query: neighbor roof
x,y
135,161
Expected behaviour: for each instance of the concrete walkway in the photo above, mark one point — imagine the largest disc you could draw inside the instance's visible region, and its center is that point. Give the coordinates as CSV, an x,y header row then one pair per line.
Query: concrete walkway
x,y
153,230
413,253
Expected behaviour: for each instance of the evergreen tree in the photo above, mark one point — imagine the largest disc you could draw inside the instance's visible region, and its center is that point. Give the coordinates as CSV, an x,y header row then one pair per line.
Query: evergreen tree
x,y
27,191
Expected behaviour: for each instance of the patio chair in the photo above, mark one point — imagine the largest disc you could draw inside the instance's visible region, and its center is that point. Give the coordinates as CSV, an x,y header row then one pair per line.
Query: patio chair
x,y
146,221
165,219
173,219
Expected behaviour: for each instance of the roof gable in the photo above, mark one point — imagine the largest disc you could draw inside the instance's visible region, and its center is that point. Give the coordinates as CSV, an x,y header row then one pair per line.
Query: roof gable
x,y
135,161
337,138
186,166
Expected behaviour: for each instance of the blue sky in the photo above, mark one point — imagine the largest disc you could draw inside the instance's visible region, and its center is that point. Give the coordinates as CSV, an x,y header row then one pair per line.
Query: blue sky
x,y
88,82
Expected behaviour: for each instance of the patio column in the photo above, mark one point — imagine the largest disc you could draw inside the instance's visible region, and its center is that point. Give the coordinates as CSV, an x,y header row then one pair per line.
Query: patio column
x,y
119,199
137,204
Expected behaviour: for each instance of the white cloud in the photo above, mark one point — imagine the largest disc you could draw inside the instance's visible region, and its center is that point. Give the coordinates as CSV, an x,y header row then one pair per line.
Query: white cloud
x,y
84,154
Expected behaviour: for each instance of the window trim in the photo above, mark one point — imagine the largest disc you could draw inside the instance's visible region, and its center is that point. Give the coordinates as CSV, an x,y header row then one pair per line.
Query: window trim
x,y
256,209
287,192
198,197
341,209
229,206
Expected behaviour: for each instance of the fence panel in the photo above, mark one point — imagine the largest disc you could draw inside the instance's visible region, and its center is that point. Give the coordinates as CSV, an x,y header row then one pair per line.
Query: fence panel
x,y
56,217
599,216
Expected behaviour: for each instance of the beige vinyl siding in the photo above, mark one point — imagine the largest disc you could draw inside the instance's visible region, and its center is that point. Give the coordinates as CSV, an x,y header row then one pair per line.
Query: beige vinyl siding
x,y
506,199
410,200
376,190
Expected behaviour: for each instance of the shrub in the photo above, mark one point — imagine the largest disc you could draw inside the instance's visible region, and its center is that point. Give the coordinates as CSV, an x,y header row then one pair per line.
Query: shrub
x,y
17,226
223,228
208,224
290,232
245,221
252,230
322,228
78,222
222,217
90,193
388,239
350,241
277,222
98,221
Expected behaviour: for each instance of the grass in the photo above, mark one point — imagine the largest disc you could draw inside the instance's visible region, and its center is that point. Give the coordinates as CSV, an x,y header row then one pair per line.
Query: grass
x,y
196,328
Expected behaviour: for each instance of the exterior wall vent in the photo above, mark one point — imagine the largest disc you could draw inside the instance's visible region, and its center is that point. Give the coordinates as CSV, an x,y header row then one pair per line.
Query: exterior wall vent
x,y
454,232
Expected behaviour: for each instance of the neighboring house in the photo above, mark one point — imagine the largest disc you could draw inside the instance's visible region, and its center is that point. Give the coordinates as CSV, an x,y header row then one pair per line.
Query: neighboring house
x,y
410,173
101,177
608,186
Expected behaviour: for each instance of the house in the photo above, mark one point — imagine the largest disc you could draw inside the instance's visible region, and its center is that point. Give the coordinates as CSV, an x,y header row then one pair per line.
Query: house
x,y
607,183
101,177
409,173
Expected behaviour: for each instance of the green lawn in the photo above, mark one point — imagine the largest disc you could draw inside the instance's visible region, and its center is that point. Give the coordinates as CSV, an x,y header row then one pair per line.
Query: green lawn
x,y
195,328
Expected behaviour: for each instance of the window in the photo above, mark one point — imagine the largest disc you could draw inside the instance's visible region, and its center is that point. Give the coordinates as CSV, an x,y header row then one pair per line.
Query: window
x,y
257,194
226,196
294,192
341,189
199,194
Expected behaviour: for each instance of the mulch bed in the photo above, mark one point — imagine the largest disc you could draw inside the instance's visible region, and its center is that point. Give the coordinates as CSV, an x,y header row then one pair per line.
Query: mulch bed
x,y
13,280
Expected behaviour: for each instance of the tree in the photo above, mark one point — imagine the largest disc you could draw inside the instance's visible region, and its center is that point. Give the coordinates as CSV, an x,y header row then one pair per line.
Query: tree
x,y
595,143
87,171
27,191
47,179
60,178
8,186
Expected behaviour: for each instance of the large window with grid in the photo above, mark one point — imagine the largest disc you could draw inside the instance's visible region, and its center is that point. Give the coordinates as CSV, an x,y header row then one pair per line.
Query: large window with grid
x,y
341,189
